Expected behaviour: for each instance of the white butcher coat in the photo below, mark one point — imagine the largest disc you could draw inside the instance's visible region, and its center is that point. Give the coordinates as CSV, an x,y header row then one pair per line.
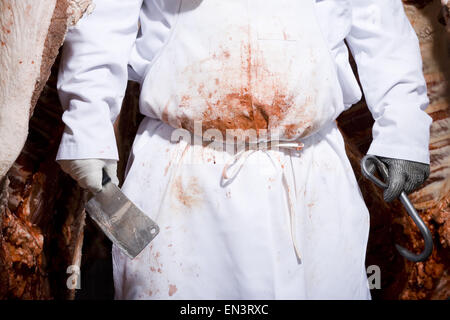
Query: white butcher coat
x,y
292,224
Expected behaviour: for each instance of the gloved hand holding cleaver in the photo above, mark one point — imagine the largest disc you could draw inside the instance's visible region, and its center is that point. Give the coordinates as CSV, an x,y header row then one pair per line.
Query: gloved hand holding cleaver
x,y
122,222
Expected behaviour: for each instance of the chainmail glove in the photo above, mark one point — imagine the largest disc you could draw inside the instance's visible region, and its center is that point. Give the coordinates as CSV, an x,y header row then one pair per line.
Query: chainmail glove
x,y
404,175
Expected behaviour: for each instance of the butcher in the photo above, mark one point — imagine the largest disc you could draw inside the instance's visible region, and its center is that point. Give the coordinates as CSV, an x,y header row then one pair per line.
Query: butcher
x,y
238,158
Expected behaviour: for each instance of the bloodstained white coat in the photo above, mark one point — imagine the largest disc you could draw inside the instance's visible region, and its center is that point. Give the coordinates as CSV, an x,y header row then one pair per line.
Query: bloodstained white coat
x,y
290,223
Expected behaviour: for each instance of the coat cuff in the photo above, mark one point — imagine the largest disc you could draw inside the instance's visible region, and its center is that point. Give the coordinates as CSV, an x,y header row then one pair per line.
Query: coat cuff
x,y
69,149
400,152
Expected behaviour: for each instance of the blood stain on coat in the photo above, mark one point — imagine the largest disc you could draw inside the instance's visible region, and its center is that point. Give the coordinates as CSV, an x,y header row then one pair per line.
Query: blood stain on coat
x,y
248,95
172,289
242,107
156,262
28,10
188,195
167,168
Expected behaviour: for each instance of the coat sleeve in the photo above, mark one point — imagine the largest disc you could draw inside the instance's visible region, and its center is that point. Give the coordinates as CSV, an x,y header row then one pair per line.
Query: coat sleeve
x,y
389,63
93,76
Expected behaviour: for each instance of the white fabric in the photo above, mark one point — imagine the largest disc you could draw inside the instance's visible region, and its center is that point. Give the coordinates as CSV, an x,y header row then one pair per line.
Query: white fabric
x,y
255,57
233,240
238,161
89,172
93,73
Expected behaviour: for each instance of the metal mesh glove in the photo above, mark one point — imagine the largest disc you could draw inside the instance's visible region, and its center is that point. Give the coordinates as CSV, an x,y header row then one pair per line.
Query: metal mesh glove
x,y
404,175
89,172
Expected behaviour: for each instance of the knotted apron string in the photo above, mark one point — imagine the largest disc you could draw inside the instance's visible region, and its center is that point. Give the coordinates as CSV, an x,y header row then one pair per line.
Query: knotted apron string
x,y
235,164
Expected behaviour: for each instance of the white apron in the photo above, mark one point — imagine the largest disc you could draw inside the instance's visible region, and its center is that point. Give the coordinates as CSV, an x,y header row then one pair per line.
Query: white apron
x,y
262,224
236,241
244,64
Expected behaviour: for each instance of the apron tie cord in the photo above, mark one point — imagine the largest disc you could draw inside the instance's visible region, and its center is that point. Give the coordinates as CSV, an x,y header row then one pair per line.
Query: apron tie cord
x,y
233,167
291,217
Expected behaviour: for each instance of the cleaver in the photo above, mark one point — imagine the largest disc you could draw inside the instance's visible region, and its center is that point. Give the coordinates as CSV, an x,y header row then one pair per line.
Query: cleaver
x,y
119,218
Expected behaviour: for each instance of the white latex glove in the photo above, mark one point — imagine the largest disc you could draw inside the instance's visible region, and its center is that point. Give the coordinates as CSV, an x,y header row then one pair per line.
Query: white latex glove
x,y
88,172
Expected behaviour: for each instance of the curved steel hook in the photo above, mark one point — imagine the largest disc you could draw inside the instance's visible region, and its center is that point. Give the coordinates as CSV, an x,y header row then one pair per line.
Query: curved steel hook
x,y
383,170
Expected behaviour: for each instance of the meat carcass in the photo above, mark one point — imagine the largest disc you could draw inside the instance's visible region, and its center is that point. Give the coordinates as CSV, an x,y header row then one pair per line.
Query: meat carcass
x,y
37,202
31,33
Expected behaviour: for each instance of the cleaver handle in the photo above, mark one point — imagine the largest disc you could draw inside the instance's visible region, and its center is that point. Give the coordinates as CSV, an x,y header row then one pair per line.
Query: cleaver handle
x,y
105,177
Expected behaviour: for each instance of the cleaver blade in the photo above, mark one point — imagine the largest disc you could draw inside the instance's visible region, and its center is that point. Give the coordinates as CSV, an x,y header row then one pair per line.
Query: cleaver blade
x,y
124,224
